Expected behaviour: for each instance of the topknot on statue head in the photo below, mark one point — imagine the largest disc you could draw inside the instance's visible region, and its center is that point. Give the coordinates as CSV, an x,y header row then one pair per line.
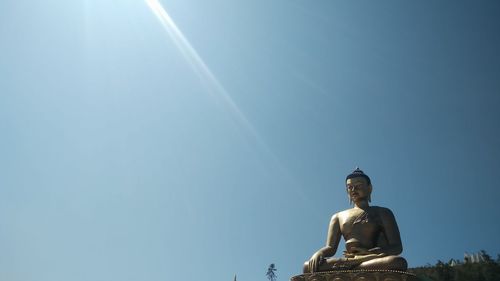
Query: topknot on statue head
x,y
358,174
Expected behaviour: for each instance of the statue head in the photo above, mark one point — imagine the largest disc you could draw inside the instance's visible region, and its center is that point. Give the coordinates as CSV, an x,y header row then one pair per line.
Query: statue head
x,y
358,186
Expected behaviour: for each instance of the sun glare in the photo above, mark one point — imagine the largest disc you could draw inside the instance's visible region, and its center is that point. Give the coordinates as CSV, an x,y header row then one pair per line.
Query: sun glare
x,y
212,84
204,73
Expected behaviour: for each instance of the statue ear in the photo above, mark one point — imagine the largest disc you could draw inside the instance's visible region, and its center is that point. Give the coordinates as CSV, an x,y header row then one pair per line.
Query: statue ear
x,y
369,193
348,196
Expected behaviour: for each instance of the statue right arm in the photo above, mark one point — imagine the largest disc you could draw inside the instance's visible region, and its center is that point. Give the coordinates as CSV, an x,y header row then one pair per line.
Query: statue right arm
x,y
332,243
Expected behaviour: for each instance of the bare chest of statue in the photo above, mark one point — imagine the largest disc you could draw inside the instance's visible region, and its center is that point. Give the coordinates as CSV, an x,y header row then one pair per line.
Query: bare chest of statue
x,y
360,228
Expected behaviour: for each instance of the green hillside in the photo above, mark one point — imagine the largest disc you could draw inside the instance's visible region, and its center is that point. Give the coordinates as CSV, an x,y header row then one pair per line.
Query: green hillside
x,y
485,270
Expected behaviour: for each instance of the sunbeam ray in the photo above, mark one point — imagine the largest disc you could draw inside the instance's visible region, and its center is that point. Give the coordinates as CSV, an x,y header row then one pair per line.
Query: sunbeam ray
x,y
215,88
202,70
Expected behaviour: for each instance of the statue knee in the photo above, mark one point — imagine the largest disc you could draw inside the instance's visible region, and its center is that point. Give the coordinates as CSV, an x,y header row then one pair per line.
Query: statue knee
x,y
306,267
398,263
387,263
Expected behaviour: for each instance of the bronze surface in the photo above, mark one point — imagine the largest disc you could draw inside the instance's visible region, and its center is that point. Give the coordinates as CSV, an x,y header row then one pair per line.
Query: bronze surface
x,y
371,233
357,275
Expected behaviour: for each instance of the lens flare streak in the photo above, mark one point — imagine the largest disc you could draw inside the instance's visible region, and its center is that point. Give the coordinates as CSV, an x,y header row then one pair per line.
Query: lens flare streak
x,y
214,87
198,65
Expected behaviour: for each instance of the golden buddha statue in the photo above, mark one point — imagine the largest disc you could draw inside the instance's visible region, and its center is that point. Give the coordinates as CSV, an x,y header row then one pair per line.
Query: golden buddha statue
x,y
371,234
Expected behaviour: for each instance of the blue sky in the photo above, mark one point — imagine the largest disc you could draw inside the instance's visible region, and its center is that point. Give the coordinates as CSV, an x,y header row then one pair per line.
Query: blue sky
x,y
131,153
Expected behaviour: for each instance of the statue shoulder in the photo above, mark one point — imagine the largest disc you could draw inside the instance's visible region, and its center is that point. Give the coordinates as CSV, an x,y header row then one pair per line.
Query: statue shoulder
x,y
342,214
383,212
381,209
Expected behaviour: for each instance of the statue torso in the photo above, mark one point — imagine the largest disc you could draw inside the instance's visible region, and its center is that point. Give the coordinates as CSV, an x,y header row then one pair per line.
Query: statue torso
x,y
363,226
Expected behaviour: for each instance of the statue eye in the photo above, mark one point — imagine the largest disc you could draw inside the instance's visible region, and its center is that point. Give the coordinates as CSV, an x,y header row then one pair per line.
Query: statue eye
x,y
352,187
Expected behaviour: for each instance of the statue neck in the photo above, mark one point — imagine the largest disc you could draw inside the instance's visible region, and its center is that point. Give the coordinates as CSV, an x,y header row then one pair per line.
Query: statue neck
x,y
362,204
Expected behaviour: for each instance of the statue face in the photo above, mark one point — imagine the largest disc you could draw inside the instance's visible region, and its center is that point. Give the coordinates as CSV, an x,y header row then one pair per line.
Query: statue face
x,y
358,189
